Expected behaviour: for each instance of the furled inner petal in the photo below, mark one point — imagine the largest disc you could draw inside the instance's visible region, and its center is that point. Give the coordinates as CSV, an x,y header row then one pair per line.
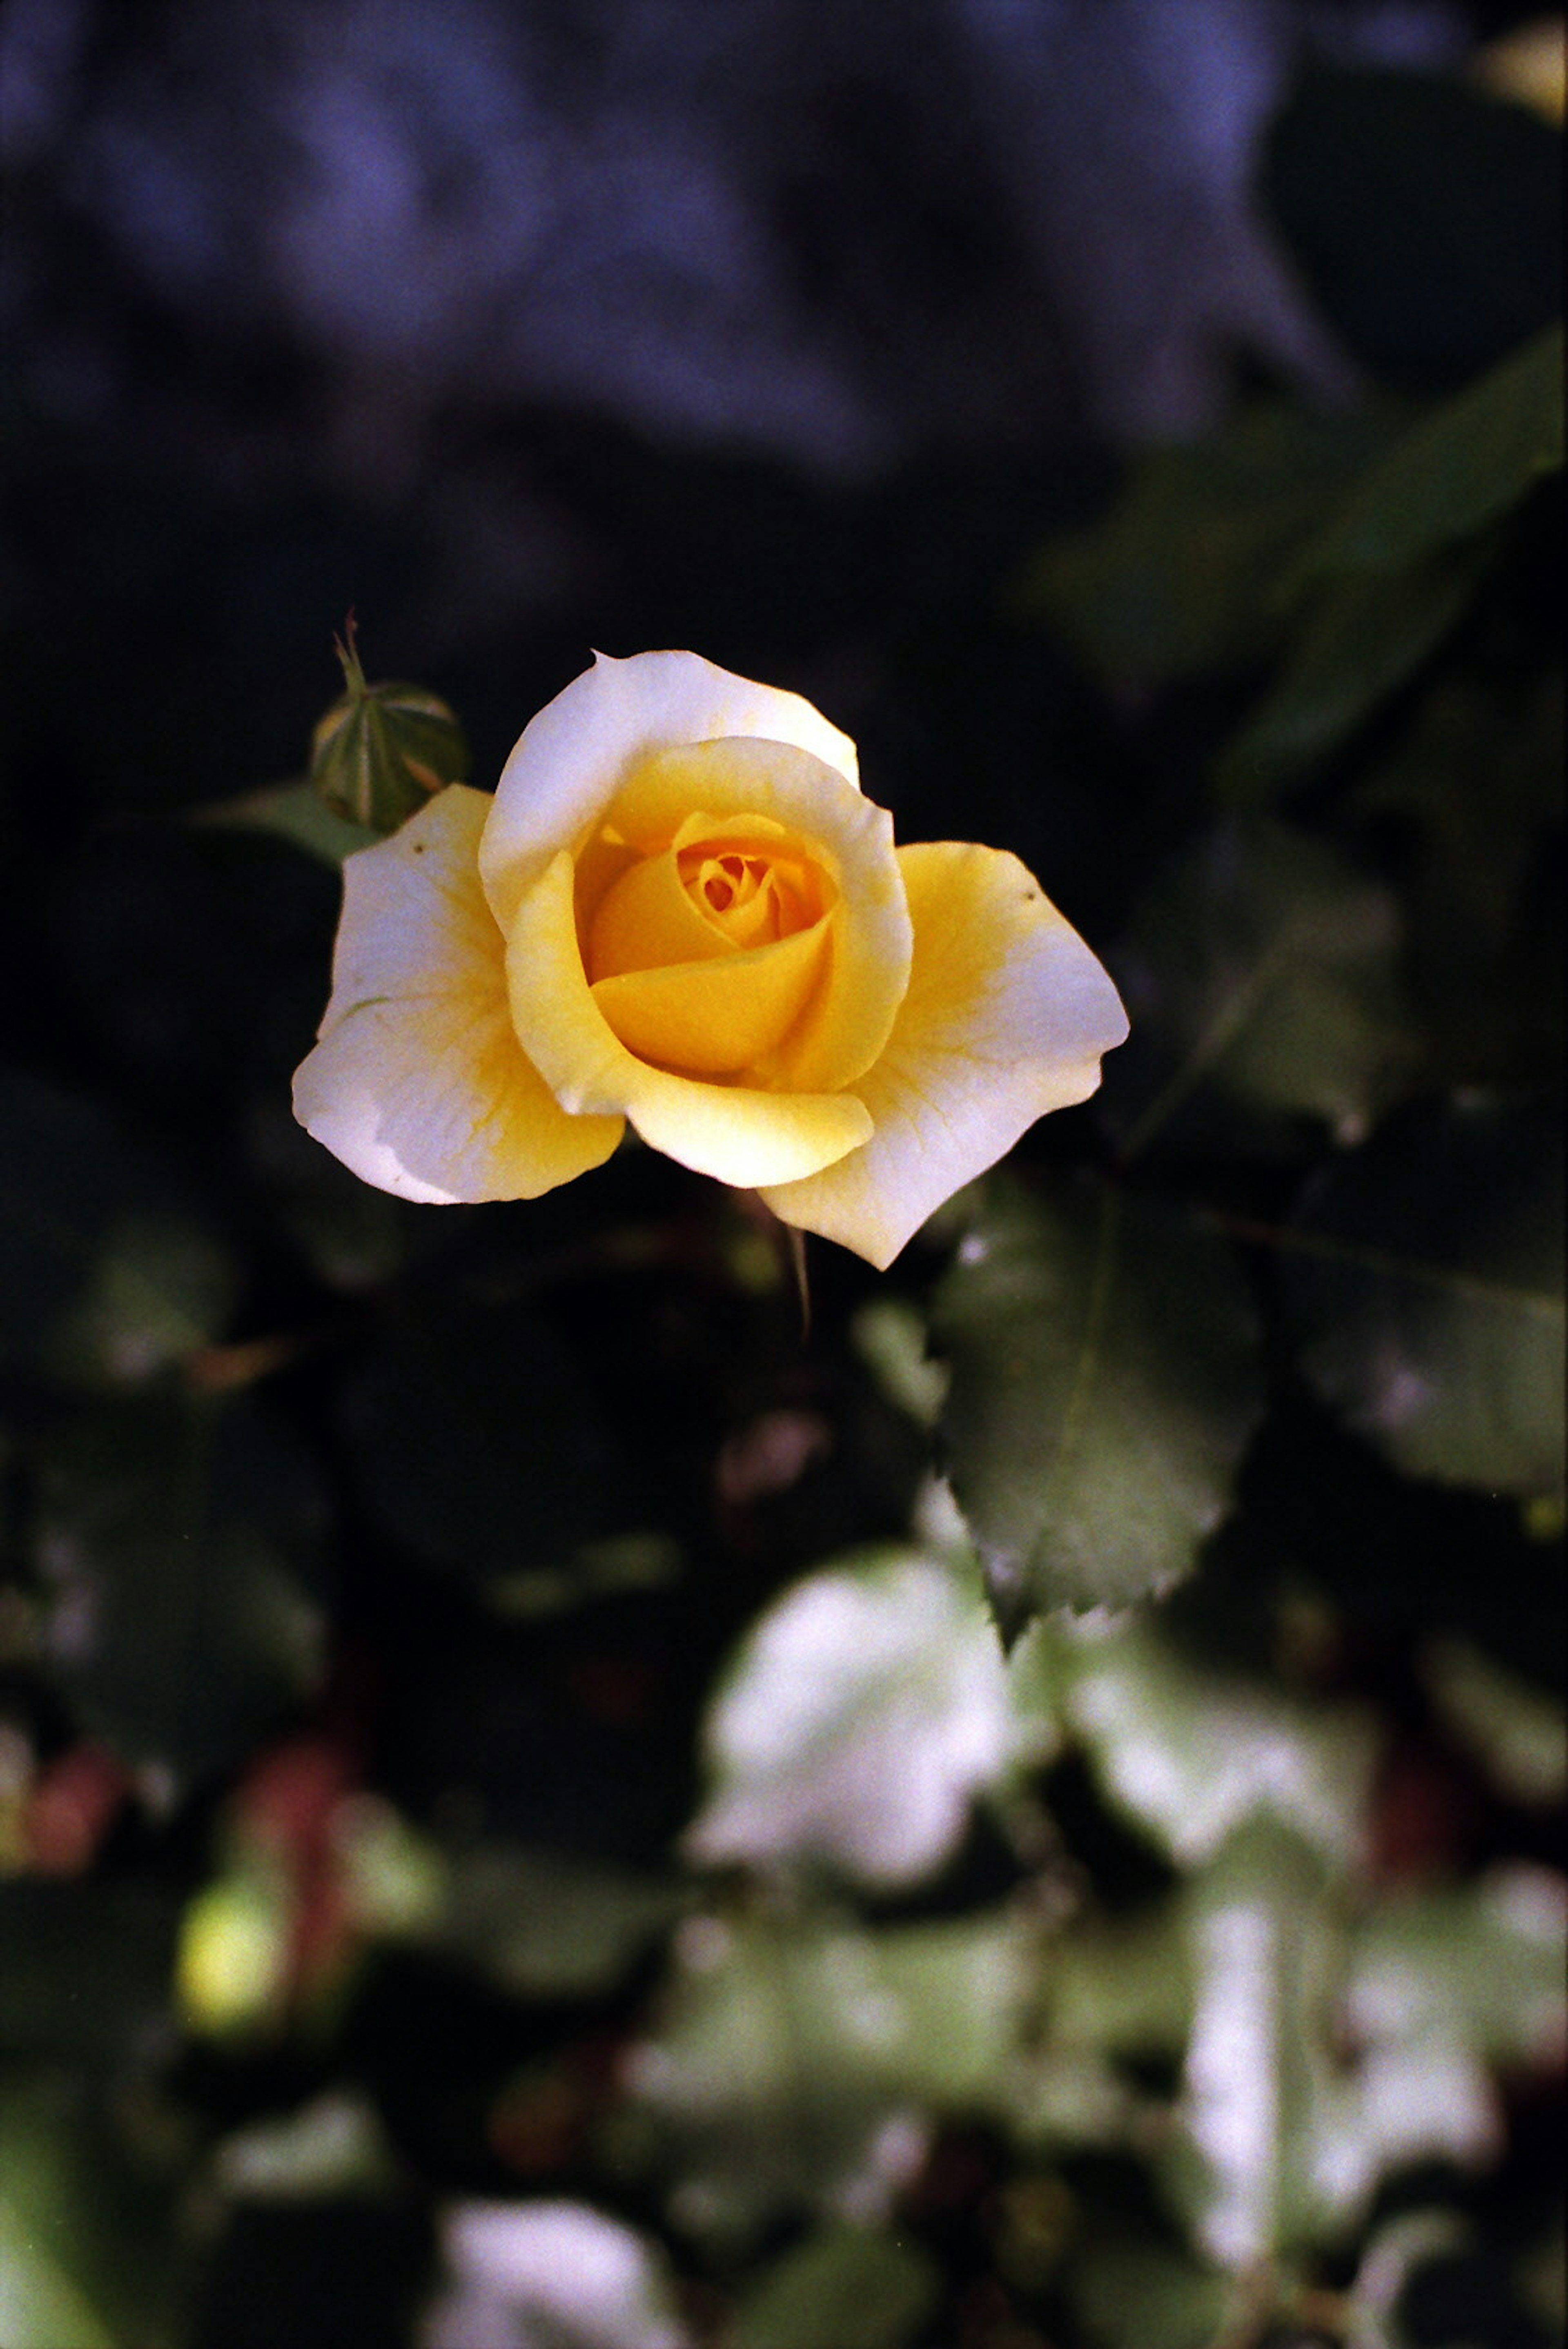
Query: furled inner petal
x,y
716,1017
738,1133
715,890
827,851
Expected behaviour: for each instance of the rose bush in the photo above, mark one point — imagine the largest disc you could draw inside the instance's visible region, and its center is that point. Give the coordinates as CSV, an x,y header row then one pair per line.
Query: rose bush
x,y
679,909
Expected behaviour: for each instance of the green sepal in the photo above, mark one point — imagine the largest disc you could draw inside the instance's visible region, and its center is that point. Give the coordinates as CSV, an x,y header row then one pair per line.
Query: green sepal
x,y
382,750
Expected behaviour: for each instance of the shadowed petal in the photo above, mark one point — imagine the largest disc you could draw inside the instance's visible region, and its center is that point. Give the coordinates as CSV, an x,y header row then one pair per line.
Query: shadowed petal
x,y
417,1083
1006,1017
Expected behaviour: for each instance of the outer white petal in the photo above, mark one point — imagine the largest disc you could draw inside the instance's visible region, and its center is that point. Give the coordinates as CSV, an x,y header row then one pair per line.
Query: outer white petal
x,y
417,1083
1006,1017
573,758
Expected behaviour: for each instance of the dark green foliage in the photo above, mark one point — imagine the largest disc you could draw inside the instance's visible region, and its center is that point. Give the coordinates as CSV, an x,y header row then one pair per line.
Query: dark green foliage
x,y
1263,977
1424,1287
1105,1378
1427,218
169,1537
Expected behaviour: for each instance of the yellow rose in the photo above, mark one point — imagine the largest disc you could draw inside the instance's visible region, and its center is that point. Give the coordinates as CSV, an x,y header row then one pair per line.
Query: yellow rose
x,y
678,908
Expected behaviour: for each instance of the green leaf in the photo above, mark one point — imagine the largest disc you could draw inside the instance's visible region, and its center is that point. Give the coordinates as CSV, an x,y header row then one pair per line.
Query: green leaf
x,y
1131,2290
551,2274
1461,469
294,812
551,1925
169,1537
844,2286
1193,1753
86,2244
1261,976
1424,1284
798,2063
1424,217
1181,577
1516,1729
1363,638
1329,2052
1117,1992
1472,789
861,1714
1106,1382
334,2146
110,1272
1244,2171
1476,1968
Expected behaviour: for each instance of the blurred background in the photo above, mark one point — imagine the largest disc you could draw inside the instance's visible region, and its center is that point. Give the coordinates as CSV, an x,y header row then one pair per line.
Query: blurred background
x,y
516,1823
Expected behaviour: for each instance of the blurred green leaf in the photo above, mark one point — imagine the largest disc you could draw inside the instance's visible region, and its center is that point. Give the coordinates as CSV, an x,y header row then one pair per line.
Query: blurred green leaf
x,y
87,2249
1193,1752
1244,2169
1131,2290
1328,2051
551,2275
295,812
1472,791
171,1535
1399,564
333,2146
552,1924
1517,1729
1106,1382
1463,467
1361,639
1182,576
1124,1988
1425,218
843,2288
864,1710
1477,1968
1115,1994
161,1287
1261,973
798,2063
109,1270
1423,1279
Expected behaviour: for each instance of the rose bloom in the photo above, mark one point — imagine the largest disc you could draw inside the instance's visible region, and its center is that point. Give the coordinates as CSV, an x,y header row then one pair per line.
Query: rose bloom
x,y
679,909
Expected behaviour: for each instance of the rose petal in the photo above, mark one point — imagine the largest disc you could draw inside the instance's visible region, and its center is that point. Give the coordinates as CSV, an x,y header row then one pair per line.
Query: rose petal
x,y
1006,1017
574,756
417,1083
715,1019
650,919
847,837
737,1133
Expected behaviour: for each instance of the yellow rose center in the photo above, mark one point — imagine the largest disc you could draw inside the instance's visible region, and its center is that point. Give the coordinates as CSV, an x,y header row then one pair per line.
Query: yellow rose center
x,y
704,952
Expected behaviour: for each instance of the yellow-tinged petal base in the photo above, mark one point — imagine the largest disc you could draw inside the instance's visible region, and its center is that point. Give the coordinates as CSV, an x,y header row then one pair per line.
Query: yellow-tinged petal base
x,y
1006,1016
417,1083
